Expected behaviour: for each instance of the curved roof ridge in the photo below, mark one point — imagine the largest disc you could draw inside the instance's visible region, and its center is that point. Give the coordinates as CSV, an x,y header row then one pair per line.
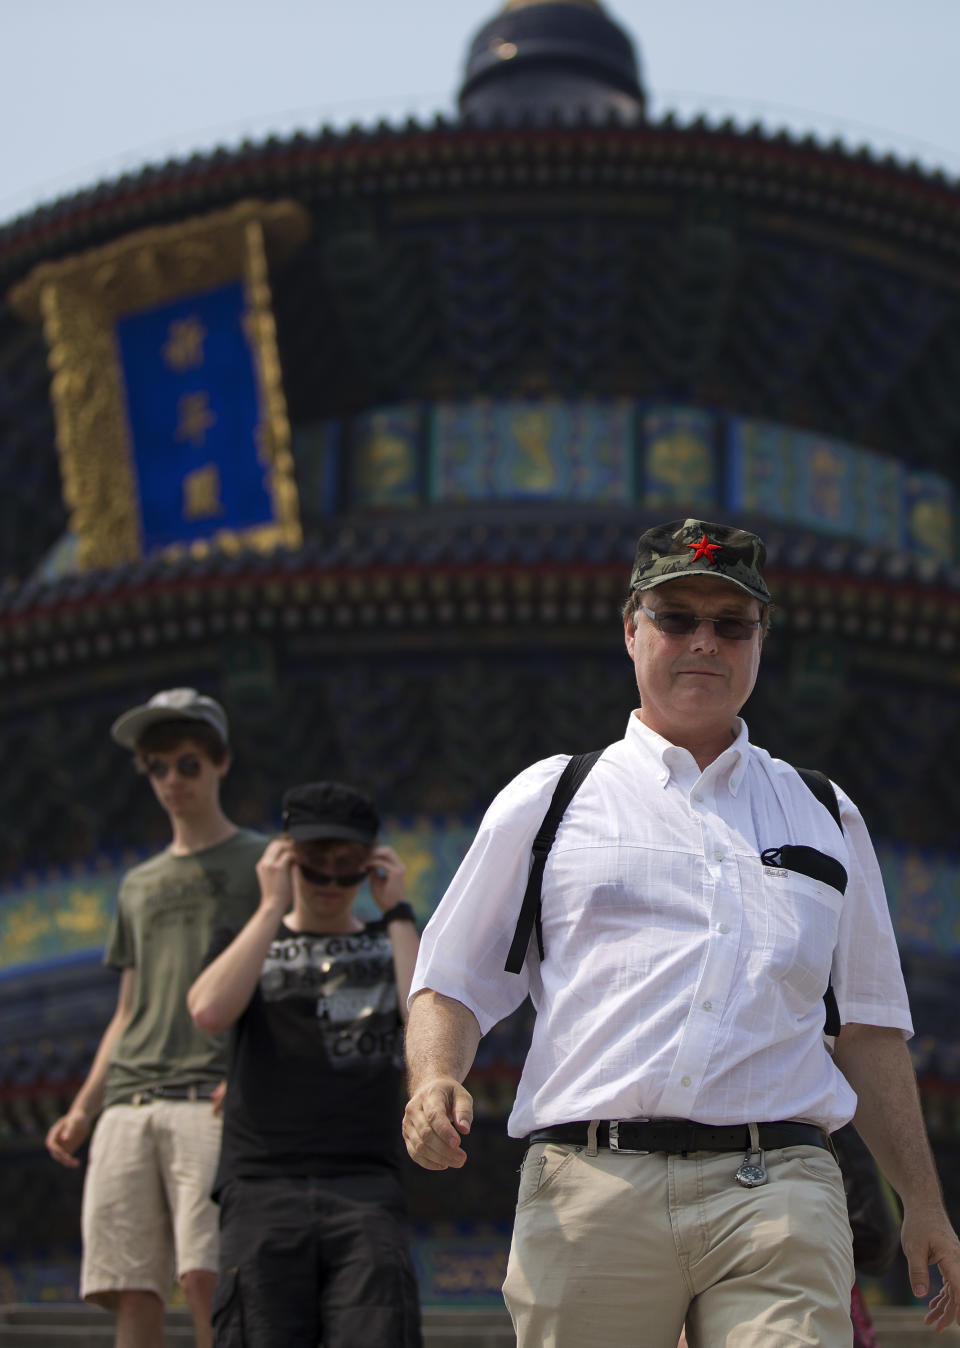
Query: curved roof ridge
x,y
399,542
53,225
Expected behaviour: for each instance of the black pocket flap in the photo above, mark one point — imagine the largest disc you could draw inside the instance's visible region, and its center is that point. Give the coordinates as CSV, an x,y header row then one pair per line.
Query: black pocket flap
x,y
814,864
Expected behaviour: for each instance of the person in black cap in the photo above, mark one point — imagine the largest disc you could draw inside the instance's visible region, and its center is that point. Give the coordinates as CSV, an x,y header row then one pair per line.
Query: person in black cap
x,y
313,1229
683,910
147,1213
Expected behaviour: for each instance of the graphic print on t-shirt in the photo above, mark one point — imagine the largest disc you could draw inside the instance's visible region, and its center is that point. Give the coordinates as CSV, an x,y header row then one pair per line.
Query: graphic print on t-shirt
x,y
346,984
179,901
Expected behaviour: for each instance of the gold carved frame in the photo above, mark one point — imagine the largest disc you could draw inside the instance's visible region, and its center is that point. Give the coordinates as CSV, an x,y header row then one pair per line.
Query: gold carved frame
x,y
79,300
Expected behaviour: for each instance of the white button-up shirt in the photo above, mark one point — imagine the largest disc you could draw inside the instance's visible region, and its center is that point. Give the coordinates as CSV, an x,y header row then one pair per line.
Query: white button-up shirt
x,y
682,977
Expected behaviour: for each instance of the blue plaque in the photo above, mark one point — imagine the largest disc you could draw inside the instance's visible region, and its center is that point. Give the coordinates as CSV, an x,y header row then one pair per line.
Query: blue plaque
x,y
194,415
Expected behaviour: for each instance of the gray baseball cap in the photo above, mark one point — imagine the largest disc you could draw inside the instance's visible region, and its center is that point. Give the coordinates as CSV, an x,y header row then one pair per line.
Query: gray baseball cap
x,y
699,548
173,704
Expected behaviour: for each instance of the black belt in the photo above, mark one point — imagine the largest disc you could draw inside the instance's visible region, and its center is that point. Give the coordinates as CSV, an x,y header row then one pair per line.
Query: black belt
x,y
204,1091
683,1135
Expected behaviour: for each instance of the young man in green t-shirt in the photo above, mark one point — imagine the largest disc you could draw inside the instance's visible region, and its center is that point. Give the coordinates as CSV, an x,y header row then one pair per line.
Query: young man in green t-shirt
x,y
147,1213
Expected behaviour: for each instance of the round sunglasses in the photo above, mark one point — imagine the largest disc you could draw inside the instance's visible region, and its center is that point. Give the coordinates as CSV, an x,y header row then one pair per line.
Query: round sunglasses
x,y
187,765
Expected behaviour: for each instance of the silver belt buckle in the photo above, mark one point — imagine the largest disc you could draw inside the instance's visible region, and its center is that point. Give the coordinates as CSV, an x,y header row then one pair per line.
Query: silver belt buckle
x,y
613,1132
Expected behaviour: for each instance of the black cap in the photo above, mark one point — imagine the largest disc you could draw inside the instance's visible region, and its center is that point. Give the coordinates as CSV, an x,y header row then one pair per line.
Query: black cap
x,y
319,810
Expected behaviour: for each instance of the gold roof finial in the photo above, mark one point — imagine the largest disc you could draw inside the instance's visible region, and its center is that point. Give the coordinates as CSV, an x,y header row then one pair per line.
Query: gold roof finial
x,y
526,4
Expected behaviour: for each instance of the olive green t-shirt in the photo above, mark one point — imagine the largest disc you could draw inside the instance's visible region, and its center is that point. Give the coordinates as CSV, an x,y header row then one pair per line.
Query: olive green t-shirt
x,y
167,911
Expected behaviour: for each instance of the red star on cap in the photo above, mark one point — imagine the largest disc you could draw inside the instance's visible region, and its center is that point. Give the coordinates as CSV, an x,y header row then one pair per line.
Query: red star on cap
x,y
704,549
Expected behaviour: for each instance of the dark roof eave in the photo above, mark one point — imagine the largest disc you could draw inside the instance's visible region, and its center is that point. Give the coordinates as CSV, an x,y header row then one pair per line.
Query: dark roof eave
x,y
280,167
556,545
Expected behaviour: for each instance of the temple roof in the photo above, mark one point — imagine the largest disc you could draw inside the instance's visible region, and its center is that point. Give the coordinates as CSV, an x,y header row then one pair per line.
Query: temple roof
x,y
854,185
713,265
709,265
536,64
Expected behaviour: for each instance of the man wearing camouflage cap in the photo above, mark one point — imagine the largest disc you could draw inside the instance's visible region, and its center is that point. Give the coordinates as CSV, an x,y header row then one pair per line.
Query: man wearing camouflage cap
x,y
697,909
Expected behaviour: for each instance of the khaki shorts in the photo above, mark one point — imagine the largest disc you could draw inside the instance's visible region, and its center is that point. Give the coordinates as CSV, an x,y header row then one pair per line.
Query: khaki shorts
x,y
147,1213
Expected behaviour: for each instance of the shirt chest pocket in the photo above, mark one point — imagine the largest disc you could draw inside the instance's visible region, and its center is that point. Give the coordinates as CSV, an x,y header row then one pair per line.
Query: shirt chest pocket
x,y
803,917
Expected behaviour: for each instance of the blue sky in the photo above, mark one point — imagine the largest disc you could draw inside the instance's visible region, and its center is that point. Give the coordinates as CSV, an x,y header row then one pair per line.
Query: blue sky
x,y
95,88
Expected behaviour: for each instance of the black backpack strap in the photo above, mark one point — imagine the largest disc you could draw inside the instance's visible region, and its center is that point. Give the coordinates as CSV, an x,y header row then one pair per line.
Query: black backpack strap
x,y
822,787
568,784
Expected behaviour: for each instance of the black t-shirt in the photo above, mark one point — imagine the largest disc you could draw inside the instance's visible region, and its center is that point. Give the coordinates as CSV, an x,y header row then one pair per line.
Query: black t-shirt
x,y
315,1061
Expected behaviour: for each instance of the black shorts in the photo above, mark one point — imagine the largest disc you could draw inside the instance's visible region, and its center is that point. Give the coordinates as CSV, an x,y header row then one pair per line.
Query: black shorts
x,y
310,1261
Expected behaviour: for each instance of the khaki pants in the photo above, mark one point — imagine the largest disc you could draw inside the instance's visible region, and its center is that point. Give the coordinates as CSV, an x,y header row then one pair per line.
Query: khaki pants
x,y
147,1213
613,1251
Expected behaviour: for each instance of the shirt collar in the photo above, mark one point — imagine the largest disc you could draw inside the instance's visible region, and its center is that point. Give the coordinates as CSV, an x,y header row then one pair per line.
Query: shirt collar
x,y
662,758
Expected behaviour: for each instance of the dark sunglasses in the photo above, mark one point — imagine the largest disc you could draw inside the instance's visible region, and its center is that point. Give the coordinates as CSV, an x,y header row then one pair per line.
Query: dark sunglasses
x,y
187,765
322,879
677,624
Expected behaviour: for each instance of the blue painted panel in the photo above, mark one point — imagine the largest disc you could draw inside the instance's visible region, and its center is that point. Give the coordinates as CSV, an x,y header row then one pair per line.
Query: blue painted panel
x,y
680,458
194,418
544,450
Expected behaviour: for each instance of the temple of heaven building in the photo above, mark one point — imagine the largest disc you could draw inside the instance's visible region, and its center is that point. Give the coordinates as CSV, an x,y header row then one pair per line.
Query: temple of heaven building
x,y
356,430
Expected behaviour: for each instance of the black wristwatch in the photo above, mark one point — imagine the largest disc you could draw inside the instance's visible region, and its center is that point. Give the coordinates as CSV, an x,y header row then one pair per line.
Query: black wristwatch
x,y
400,912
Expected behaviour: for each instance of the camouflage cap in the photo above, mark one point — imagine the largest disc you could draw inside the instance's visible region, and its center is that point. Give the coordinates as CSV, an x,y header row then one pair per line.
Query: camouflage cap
x,y
698,548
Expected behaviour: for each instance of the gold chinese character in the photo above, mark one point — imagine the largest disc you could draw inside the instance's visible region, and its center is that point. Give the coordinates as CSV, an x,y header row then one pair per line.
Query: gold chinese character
x,y
679,458
194,418
183,349
201,493
828,482
931,524
533,469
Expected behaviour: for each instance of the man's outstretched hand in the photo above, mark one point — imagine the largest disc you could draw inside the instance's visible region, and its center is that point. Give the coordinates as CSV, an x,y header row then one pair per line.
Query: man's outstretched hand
x,y
435,1119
